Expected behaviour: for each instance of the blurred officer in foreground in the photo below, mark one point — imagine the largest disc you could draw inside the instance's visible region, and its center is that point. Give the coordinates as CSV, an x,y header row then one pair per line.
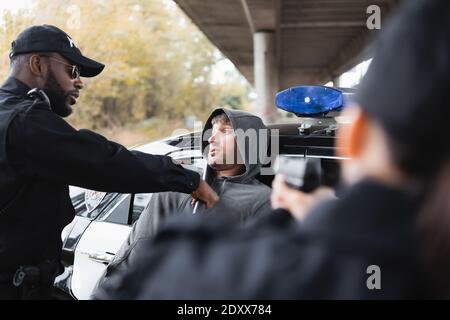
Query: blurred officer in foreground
x,y
386,237
41,154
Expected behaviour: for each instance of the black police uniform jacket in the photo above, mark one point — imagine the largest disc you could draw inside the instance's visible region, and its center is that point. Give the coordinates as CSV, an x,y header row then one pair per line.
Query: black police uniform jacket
x,y
362,246
40,155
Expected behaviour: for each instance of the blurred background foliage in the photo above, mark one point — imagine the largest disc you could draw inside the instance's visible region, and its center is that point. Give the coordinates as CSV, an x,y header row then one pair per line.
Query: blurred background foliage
x,y
159,66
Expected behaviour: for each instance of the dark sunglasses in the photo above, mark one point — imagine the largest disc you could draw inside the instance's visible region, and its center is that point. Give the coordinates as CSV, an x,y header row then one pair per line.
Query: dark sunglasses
x,y
74,70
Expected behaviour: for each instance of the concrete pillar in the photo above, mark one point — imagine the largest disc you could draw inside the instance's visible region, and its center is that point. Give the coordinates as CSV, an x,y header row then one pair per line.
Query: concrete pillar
x,y
266,74
337,81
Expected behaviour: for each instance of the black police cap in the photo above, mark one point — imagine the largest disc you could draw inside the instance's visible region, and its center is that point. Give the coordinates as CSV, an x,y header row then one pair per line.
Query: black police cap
x,y
406,85
406,88
48,38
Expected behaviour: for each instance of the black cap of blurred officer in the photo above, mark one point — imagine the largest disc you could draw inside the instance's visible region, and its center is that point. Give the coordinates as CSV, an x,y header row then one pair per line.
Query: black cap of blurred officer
x,y
406,88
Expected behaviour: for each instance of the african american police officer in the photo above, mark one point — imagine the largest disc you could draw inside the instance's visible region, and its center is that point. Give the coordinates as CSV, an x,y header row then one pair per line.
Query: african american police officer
x,y
41,155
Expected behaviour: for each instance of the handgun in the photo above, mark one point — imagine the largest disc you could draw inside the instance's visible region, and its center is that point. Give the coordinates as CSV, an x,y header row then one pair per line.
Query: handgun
x,y
304,174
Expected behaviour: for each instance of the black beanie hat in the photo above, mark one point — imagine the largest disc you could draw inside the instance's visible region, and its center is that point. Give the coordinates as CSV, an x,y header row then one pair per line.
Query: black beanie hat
x,y
407,86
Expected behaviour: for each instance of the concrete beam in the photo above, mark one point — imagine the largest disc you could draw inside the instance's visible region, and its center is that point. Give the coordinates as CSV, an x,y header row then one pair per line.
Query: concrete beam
x,y
248,15
261,14
323,24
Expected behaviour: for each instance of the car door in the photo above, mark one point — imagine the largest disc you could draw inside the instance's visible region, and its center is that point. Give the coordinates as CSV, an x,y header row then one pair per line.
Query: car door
x,y
97,246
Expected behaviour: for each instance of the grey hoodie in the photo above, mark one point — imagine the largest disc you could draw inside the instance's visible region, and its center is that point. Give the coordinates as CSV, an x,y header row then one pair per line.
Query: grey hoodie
x,y
241,197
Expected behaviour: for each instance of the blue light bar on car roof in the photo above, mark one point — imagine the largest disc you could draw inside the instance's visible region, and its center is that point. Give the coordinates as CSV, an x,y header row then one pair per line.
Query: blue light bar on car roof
x,y
310,101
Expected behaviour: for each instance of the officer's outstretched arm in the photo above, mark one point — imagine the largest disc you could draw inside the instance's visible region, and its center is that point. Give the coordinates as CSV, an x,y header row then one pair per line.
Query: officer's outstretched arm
x,y
41,144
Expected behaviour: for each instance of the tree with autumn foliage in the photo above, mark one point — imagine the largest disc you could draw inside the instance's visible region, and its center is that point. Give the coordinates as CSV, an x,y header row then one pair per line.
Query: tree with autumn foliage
x,y
158,64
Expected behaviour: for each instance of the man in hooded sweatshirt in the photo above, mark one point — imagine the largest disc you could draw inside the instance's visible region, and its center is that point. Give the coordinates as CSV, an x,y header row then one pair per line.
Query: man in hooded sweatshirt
x,y
234,142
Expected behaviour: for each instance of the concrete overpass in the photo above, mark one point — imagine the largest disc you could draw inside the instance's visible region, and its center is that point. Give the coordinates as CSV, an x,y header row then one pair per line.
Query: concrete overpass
x,y
276,44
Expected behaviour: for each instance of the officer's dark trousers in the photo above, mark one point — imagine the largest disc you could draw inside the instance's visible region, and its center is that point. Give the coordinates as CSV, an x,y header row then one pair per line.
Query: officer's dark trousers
x,y
9,292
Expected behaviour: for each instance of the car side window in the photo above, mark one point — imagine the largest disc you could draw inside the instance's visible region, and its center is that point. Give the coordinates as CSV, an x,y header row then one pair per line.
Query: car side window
x,y
117,210
190,159
79,204
139,204
126,208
